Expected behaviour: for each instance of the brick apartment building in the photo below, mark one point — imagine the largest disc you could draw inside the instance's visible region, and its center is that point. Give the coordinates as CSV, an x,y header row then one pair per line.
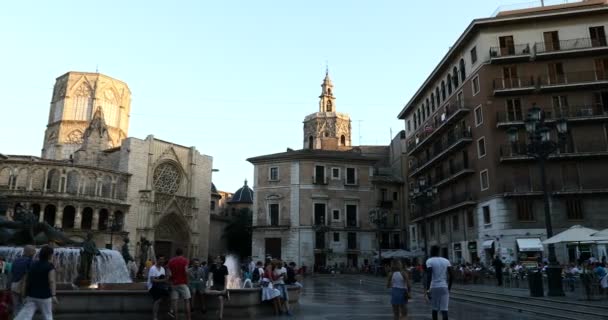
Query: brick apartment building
x,y
489,198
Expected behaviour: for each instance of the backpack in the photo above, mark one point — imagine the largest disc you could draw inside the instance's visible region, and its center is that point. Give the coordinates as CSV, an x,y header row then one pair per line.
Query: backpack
x,y
256,275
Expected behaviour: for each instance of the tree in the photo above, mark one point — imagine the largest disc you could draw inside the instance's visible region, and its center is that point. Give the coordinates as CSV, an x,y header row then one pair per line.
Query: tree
x,y
238,233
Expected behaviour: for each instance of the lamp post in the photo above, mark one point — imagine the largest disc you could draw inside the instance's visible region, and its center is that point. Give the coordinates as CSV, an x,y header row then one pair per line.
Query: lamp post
x,y
540,147
421,195
379,218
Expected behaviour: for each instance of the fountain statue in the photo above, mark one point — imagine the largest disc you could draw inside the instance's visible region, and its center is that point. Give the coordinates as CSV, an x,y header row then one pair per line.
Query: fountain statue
x,y
87,255
144,247
26,229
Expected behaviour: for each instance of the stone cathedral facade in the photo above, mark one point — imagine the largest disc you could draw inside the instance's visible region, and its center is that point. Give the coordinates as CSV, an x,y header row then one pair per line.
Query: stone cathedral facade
x,y
92,178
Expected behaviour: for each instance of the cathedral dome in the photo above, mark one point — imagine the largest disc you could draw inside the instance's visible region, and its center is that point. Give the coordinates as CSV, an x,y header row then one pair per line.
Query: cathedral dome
x,y
242,195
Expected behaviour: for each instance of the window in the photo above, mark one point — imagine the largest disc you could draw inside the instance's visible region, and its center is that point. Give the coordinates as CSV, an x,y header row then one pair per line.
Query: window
x,y
514,112
463,73
274,174
525,210
470,219
352,240
437,97
335,173
486,215
212,206
601,69
396,220
351,215
273,208
336,237
484,180
443,91
574,209
556,73
342,140
510,77
319,177
560,106
428,108
409,125
336,214
319,214
455,77
481,147
432,102
598,36
478,116
455,223
507,45
473,55
551,40
460,99
351,176
395,196
475,85
449,81
442,226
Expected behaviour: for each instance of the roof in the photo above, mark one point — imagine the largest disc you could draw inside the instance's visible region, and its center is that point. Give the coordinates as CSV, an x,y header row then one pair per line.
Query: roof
x,y
355,154
214,189
242,195
585,8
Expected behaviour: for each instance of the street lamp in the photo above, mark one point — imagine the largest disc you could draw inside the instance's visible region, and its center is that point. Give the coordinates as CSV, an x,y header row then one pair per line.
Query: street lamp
x,y
540,147
115,225
421,195
379,217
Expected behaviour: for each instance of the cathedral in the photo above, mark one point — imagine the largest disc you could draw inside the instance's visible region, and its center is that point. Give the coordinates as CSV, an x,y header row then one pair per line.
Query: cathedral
x,y
92,177
314,206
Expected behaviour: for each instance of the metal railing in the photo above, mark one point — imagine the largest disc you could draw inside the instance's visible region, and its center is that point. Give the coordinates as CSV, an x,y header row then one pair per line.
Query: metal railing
x,y
570,44
514,50
519,149
513,83
440,147
573,78
567,112
442,203
430,127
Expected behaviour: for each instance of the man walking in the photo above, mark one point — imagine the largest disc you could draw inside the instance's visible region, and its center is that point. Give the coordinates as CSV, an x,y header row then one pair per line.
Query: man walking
x,y
178,268
219,273
498,265
438,283
20,268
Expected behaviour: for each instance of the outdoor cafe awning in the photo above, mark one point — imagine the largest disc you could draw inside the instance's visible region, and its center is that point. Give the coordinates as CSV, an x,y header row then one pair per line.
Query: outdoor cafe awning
x,y
488,244
526,245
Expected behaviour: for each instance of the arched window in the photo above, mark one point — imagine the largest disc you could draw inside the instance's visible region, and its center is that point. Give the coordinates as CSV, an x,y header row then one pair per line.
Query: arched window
x,y
438,97
443,91
342,140
328,106
310,142
36,211
463,73
69,215
119,220
87,219
49,214
103,219
432,101
329,91
455,77
449,81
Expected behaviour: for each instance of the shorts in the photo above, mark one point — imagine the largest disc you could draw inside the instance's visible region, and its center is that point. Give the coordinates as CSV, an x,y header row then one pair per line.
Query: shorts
x,y
196,287
398,296
180,291
440,298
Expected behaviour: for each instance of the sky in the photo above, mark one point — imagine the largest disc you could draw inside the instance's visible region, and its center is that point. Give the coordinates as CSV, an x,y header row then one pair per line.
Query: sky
x,y
235,79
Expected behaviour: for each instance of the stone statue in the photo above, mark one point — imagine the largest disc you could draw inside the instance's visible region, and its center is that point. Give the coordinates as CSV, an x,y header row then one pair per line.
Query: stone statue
x,y
87,254
125,251
25,229
144,247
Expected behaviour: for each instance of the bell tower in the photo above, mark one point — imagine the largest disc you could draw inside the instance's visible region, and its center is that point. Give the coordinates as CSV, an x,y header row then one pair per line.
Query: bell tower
x,y
327,129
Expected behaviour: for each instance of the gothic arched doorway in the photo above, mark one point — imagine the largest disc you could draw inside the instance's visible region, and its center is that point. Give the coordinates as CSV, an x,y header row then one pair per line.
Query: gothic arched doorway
x,y
171,232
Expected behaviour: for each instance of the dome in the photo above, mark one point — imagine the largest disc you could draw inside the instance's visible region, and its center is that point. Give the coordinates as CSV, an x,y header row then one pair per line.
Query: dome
x,y
213,189
242,195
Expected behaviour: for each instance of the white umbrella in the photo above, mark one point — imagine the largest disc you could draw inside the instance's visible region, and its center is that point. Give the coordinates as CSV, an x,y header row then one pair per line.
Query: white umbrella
x,y
603,234
575,233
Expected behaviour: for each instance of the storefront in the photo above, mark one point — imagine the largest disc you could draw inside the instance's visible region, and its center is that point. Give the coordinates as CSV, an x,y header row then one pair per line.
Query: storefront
x,y
529,251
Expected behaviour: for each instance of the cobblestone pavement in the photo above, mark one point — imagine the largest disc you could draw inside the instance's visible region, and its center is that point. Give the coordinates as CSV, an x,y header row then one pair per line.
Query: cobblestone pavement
x,y
354,298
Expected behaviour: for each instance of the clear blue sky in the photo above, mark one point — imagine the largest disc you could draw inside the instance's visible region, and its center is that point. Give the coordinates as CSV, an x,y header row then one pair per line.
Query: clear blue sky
x,y
233,78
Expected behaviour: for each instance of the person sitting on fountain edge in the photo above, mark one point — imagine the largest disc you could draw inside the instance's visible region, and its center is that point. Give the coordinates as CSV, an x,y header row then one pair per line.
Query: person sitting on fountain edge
x,y
219,275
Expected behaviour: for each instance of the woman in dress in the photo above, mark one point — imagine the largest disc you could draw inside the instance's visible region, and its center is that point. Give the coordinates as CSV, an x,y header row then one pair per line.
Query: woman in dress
x,y
399,283
269,293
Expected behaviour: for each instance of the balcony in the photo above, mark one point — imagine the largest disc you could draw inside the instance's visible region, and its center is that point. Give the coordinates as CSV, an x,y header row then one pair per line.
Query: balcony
x,y
508,54
440,150
513,86
456,172
570,48
587,113
585,149
556,187
385,204
453,111
453,202
320,180
574,80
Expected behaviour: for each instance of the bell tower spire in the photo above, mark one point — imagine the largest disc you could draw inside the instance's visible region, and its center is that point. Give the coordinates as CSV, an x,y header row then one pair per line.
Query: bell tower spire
x,y
327,99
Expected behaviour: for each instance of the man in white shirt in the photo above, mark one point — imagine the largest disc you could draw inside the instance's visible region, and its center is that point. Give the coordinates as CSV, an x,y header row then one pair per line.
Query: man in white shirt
x,y
438,283
157,278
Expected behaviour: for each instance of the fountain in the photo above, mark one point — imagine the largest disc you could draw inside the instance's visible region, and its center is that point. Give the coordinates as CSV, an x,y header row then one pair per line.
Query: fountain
x,y
234,273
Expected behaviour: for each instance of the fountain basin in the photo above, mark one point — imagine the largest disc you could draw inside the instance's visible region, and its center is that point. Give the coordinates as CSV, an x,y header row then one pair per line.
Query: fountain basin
x,y
133,298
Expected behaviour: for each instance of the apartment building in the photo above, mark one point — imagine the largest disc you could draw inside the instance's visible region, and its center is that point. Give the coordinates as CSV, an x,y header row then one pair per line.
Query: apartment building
x,y
489,198
312,206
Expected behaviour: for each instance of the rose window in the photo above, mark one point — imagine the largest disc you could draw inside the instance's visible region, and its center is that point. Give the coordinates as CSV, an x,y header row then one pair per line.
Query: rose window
x,y
166,178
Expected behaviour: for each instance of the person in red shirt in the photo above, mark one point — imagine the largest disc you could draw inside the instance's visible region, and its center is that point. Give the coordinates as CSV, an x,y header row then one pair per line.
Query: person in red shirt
x,y
178,270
